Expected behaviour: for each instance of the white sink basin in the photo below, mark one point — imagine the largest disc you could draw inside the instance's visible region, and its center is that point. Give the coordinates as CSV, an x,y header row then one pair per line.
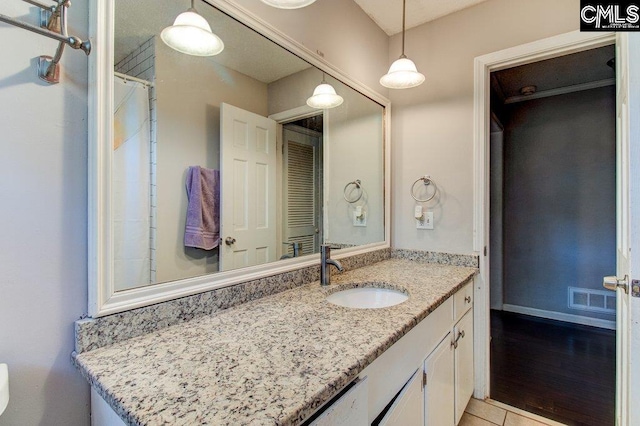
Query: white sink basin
x,y
367,297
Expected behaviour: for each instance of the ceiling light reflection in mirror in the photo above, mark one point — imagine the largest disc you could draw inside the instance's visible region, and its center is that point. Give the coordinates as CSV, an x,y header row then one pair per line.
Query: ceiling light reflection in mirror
x,y
288,4
191,34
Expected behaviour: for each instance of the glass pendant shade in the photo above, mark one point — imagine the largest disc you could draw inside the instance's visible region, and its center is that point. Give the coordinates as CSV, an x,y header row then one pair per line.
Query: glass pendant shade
x,y
324,96
288,4
402,74
191,34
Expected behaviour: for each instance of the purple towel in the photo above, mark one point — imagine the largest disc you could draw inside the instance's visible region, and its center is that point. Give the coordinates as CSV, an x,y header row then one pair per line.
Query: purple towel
x,y
202,229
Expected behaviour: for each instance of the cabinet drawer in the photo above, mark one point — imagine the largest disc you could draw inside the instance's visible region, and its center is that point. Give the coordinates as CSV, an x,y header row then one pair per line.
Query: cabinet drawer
x,y
463,300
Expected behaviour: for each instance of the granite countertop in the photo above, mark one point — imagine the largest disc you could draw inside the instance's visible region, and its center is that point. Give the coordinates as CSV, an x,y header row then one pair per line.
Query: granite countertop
x,y
272,361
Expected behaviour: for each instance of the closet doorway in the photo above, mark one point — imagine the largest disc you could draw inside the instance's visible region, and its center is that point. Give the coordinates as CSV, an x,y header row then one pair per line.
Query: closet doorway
x,y
302,154
553,237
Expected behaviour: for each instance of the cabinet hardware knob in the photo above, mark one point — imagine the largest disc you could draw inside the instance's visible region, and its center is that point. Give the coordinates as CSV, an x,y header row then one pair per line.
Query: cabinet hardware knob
x,y
467,299
454,343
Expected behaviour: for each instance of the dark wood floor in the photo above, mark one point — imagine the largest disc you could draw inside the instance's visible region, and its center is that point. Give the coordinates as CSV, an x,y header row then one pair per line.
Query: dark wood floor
x,y
562,371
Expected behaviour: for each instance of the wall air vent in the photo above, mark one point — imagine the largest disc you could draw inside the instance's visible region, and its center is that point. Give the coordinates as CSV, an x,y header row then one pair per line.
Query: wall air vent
x,y
586,299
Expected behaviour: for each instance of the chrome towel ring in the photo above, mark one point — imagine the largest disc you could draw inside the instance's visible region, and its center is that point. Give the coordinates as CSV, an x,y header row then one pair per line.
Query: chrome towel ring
x,y
358,185
427,181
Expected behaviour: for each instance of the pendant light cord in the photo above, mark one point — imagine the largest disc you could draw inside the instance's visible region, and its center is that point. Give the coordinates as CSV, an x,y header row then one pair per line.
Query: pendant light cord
x,y
404,15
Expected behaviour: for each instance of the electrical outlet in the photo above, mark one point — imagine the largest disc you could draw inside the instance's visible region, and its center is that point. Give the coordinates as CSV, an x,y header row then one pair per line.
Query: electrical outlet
x,y
360,219
426,222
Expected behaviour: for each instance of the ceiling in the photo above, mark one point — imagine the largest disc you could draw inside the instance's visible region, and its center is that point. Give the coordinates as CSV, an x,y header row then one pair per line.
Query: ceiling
x,y
388,13
259,58
137,21
569,73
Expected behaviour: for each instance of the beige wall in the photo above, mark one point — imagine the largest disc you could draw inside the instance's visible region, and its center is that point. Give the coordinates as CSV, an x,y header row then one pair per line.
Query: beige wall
x,y
340,29
43,223
432,125
354,150
189,92
559,163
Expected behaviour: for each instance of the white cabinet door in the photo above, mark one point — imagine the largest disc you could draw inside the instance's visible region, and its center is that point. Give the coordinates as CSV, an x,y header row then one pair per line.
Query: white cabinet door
x,y
407,409
439,393
349,410
463,332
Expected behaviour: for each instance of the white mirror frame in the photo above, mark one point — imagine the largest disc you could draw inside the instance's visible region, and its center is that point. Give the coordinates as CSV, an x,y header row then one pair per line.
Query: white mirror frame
x,y
103,299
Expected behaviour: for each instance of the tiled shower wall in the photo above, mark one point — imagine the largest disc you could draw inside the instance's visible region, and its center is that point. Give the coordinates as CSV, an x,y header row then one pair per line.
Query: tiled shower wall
x,y
141,64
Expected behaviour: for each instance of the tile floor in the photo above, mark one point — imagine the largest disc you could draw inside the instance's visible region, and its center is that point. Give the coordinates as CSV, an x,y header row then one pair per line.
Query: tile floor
x,y
492,413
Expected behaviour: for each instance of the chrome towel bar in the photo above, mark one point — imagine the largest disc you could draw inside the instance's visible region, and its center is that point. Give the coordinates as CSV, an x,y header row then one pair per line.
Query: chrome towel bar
x,y
53,25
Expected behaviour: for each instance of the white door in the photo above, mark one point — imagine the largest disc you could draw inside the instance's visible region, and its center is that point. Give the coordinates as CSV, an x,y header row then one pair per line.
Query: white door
x,y
302,189
248,188
628,230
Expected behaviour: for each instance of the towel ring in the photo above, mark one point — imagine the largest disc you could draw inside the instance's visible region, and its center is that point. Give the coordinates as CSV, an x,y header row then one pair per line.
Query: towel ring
x,y
358,185
427,181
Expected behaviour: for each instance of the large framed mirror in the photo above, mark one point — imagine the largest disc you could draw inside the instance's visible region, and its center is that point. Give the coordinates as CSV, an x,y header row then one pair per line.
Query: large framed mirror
x,y
210,171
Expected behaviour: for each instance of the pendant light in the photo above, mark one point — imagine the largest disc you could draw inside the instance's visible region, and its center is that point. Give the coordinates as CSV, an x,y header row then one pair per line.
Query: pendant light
x,y
324,96
403,73
288,4
191,34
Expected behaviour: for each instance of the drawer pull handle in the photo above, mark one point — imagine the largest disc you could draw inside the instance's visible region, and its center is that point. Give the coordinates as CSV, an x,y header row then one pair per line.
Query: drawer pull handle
x,y
467,299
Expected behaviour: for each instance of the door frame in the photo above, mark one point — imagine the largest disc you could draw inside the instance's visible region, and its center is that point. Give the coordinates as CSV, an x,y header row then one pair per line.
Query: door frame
x,y
287,116
318,180
539,50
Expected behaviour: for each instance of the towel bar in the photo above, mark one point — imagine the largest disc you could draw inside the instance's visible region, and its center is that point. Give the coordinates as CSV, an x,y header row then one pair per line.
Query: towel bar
x,y
427,181
358,184
53,25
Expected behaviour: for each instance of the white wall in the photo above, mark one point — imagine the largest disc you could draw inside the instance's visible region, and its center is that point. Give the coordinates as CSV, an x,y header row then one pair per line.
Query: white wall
x,y
432,125
43,222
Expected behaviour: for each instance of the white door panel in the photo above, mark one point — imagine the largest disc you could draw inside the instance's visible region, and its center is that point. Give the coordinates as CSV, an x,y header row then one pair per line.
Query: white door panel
x,y
248,188
628,227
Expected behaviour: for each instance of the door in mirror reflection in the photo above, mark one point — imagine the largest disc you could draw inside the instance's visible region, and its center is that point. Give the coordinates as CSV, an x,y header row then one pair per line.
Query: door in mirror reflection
x,y
248,198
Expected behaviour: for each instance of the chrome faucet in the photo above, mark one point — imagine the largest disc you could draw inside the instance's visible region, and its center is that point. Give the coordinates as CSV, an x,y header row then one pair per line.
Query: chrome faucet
x,y
325,264
296,250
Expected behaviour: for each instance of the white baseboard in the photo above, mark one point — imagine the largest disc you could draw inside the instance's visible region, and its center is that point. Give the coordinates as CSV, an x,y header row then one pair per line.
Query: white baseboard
x,y
560,316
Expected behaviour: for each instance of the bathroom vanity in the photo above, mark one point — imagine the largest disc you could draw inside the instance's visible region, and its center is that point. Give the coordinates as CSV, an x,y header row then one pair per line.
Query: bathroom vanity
x,y
284,357
243,333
